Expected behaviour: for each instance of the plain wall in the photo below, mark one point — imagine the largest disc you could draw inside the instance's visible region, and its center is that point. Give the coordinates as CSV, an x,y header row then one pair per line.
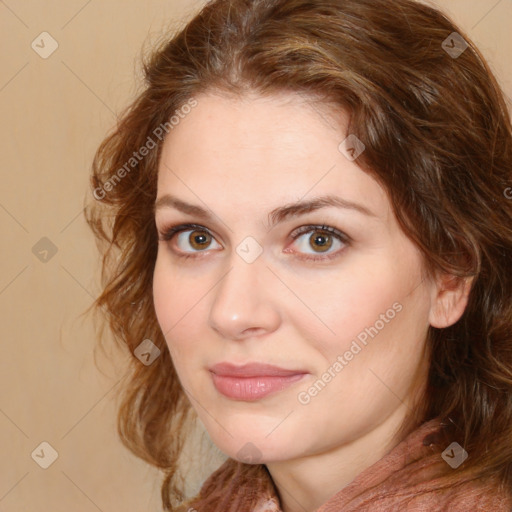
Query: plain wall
x,y
54,113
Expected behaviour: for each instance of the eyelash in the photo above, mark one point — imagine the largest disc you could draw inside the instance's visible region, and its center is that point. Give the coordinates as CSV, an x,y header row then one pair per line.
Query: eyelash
x,y
167,233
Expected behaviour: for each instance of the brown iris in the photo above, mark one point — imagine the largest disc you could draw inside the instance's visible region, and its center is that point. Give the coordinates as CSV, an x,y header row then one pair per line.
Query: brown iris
x,y
323,240
199,239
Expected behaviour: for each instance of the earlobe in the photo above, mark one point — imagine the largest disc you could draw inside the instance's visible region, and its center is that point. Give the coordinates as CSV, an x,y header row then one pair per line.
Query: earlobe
x,y
450,300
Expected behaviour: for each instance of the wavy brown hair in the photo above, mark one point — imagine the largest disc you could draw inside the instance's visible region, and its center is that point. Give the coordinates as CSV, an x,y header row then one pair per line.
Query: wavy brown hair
x,y
438,137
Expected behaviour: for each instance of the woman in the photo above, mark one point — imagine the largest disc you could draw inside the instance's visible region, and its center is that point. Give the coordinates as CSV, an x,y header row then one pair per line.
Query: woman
x,y
309,248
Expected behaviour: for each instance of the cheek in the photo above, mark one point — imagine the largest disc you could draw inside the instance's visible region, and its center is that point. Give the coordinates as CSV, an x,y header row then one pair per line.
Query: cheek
x,y
368,313
163,298
177,301
343,305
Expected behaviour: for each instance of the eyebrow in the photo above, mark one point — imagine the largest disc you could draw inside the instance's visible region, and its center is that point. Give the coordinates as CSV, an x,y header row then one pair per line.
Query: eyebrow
x,y
275,216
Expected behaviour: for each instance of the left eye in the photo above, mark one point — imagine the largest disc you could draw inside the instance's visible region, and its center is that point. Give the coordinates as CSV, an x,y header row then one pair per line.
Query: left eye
x,y
320,239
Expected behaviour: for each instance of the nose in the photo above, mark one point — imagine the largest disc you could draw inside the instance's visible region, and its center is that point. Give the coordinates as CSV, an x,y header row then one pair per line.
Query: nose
x,y
245,301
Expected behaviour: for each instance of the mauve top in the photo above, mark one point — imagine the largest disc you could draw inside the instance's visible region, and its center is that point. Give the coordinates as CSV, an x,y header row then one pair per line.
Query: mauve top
x,y
397,482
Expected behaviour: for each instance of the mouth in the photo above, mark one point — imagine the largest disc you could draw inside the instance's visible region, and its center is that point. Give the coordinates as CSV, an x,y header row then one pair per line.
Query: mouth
x,y
252,381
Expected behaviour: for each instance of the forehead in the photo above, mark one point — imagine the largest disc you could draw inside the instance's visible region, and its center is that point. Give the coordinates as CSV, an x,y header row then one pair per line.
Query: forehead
x,y
262,150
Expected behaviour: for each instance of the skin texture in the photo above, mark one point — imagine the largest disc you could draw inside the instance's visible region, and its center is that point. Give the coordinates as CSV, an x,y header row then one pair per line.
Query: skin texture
x,y
240,159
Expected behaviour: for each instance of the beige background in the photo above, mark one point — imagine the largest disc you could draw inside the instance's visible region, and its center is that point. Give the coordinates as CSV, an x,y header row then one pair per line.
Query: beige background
x,y
55,112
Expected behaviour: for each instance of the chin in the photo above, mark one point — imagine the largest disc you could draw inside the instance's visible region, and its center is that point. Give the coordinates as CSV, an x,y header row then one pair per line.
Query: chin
x,y
255,446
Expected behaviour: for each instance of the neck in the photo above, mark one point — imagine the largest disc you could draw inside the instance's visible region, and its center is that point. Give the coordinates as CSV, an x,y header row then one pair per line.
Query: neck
x,y
306,483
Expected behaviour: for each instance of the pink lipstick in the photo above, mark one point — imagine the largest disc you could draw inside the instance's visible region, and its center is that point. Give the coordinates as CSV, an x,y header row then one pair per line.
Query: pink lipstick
x,y
252,381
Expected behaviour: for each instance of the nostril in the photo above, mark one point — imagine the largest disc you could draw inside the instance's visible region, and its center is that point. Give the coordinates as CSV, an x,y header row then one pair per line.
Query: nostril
x,y
253,331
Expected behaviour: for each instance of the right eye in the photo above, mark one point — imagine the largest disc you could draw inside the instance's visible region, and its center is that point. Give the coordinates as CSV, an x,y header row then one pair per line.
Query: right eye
x,y
190,238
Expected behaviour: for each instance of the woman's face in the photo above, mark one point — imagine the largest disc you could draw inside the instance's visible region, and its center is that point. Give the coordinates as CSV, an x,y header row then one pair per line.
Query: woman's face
x,y
272,272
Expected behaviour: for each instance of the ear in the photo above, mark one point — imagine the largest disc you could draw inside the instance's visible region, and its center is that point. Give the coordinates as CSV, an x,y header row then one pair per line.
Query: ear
x,y
449,300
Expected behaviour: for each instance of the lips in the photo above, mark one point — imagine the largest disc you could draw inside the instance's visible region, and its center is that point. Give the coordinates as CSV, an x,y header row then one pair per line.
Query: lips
x,y
252,381
252,370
